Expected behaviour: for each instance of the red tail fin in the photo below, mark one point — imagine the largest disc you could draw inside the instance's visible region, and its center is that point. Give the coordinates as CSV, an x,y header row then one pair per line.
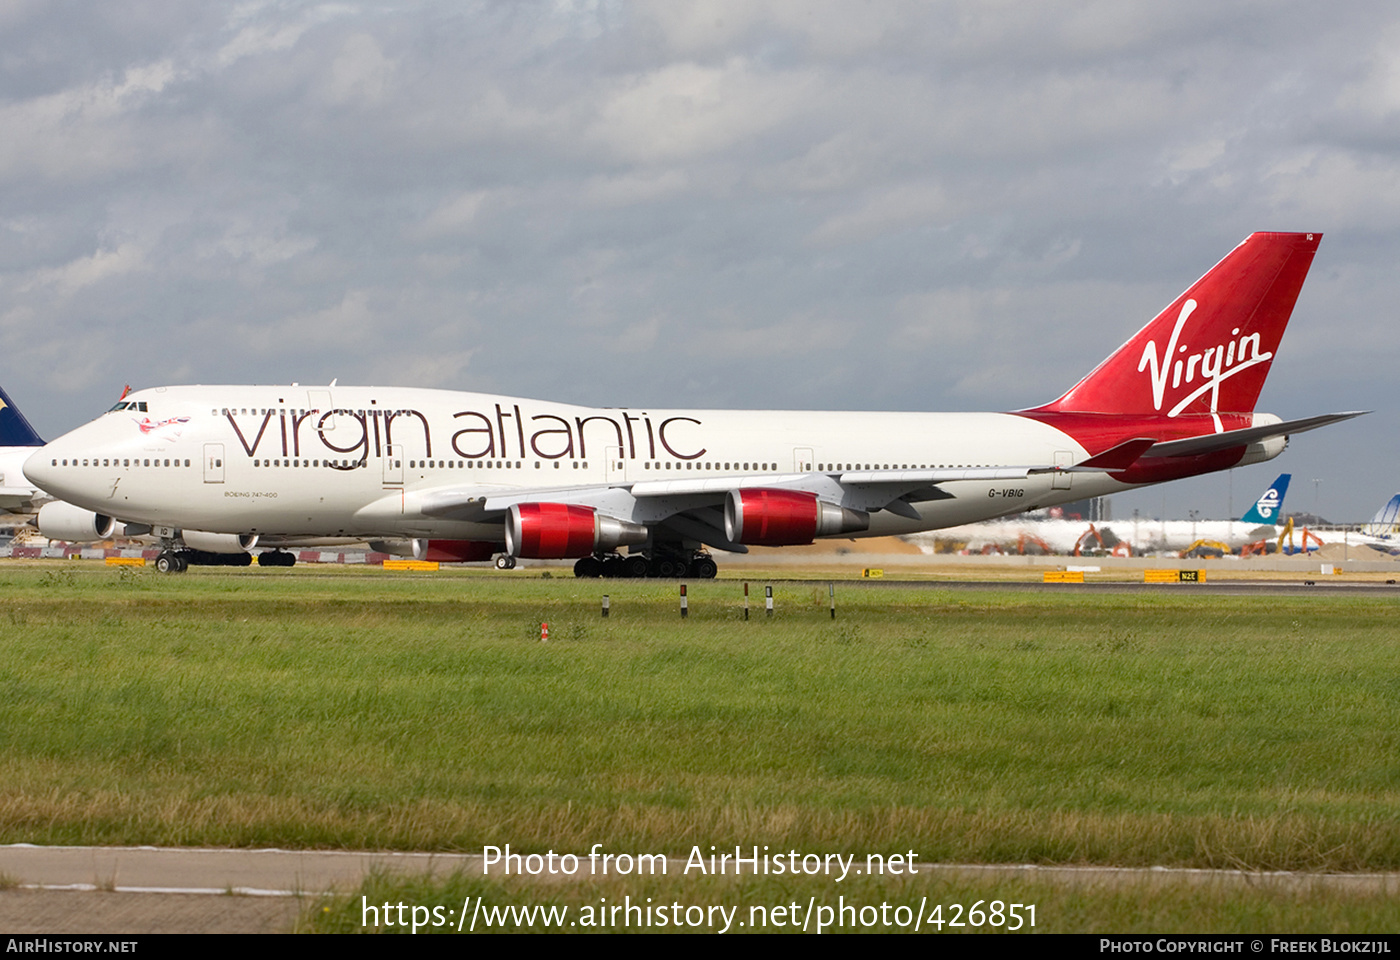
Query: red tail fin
x,y
1210,351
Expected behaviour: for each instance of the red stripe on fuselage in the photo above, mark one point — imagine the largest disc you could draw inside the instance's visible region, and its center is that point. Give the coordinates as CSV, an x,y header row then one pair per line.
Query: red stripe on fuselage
x,y
1098,432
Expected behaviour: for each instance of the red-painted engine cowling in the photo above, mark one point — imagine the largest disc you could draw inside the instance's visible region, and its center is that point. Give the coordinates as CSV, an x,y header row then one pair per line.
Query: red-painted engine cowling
x,y
454,551
561,531
59,520
785,518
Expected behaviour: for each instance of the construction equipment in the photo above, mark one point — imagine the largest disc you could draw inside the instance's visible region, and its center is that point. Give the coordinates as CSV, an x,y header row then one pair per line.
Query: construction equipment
x,y
1206,548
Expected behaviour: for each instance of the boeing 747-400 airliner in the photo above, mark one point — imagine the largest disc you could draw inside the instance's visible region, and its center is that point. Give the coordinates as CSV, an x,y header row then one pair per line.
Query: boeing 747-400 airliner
x,y
469,476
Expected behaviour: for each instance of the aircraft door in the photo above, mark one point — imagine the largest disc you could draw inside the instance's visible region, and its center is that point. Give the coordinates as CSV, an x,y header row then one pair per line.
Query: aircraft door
x,y
617,467
1063,460
393,465
802,459
213,463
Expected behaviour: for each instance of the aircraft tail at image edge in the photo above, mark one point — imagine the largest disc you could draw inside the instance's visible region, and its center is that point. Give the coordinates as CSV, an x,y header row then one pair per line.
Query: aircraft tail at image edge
x,y
1386,522
15,430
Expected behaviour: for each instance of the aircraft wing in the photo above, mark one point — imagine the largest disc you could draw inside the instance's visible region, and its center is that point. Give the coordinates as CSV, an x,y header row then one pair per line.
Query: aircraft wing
x,y
868,490
694,506
667,500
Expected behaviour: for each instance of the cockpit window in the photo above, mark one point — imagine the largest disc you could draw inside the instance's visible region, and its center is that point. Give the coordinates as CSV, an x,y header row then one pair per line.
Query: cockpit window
x,y
119,406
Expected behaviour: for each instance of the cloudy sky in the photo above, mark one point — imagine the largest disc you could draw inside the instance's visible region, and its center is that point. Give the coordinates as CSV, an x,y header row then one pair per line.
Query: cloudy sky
x,y
860,205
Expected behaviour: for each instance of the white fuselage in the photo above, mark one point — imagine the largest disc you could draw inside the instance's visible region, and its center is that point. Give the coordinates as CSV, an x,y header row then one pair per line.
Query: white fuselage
x,y
373,462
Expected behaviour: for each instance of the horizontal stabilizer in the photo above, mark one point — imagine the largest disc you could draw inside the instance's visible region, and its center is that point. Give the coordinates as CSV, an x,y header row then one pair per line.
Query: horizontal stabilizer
x,y
1120,457
1114,459
1215,442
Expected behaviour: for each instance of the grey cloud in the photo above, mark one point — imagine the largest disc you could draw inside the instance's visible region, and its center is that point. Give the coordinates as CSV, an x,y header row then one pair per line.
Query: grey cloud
x,y
883,205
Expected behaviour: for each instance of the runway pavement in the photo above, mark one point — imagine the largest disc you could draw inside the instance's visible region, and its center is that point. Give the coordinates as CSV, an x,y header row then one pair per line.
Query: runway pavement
x,y
111,890
177,890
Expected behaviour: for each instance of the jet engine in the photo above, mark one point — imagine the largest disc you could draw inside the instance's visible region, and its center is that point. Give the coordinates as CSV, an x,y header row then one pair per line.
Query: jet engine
x,y
219,542
400,548
557,531
780,518
59,520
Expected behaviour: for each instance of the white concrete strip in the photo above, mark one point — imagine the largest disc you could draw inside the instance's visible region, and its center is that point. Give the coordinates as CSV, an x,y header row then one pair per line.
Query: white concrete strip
x,y
183,870
289,873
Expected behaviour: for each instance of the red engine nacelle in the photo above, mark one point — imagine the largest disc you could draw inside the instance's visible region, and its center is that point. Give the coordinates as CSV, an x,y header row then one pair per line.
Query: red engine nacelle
x,y
454,551
784,518
559,531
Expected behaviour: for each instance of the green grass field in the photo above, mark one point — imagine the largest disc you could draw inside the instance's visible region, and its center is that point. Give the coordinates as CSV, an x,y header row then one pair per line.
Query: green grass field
x,y
330,708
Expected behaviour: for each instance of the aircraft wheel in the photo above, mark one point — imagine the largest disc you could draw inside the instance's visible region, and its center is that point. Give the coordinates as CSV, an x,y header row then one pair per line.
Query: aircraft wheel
x,y
505,562
703,568
182,563
635,565
613,567
588,567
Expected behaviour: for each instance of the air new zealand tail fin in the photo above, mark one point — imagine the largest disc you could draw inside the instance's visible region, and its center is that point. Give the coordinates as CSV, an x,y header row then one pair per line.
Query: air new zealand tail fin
x,y
15,431
1268,509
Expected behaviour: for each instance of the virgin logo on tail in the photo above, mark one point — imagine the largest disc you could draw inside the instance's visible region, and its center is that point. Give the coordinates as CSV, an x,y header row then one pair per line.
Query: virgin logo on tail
x,y
1211,366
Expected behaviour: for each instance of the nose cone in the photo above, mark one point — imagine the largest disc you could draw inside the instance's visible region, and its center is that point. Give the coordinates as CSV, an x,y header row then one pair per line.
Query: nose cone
x,y
46,471
38,470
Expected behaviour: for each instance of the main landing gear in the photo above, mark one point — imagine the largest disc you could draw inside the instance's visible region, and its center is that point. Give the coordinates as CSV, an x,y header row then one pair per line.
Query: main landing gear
x,y
699,566
505,562
171,562
178,561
